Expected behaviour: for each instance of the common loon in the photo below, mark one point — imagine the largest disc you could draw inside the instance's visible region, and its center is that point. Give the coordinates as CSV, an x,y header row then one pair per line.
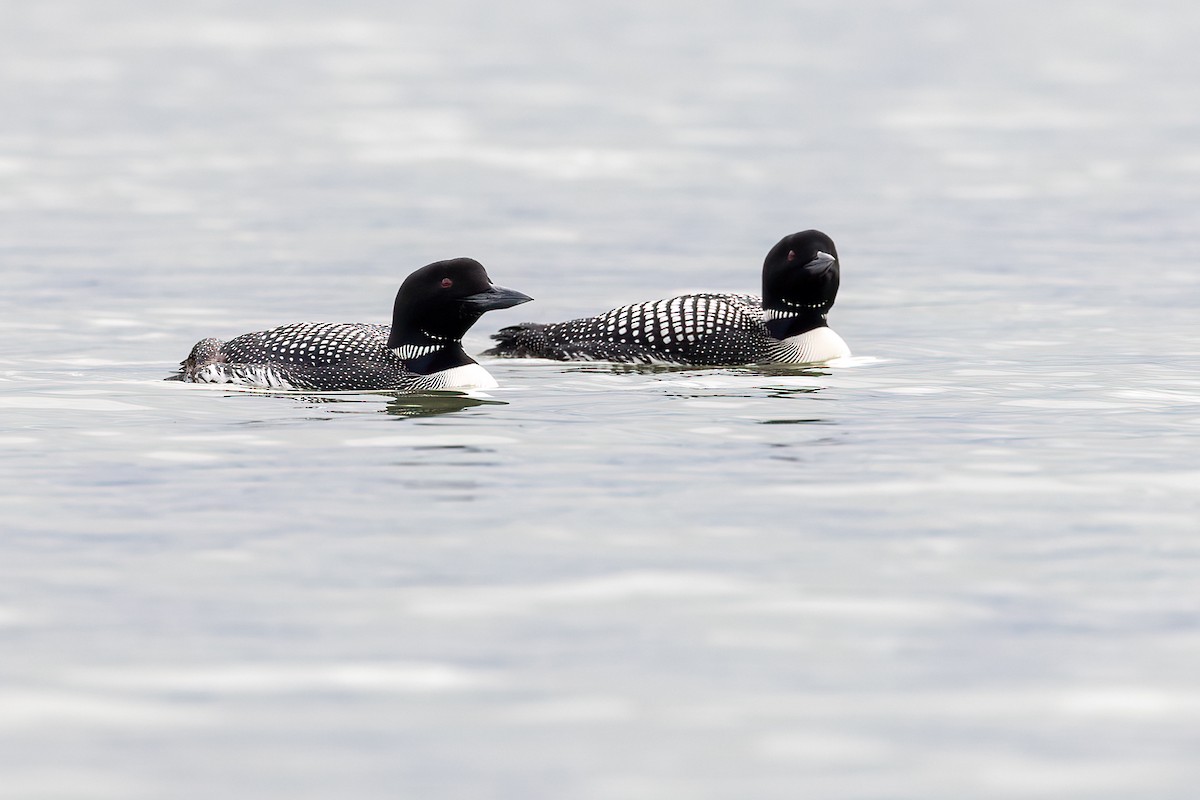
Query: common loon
x,y
421,350
786,325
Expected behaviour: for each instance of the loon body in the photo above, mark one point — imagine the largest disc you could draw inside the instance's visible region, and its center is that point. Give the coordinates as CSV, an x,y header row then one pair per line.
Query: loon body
x,y
421,350
786,325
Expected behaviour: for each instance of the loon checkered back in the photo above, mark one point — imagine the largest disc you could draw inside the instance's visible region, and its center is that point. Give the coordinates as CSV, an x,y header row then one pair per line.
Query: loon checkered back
x,y
422,348
316,356
788,324
706,329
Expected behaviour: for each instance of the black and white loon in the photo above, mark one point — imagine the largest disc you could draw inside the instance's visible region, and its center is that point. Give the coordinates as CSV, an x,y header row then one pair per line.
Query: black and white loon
x,y
421,350
788,324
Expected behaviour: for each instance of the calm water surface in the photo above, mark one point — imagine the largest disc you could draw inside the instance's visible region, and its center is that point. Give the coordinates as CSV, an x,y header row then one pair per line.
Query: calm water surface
x,y
965,564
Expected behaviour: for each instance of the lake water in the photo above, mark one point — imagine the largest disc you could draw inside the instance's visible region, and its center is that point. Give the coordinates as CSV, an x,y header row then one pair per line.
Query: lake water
x,y
967,564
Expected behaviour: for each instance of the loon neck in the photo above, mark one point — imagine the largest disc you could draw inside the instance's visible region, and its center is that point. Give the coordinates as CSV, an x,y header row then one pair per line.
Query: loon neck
x,y
428,359
793,320
424,353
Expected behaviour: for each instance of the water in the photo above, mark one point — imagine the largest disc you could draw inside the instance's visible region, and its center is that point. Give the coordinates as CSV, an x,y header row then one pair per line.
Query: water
x,y
964,565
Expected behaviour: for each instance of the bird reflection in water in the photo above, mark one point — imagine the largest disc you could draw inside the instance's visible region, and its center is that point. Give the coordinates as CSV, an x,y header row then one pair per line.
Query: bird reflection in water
x,y
432,404
415,404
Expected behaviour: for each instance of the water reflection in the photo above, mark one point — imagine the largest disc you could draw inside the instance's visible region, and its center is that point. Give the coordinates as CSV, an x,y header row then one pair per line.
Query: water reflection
x,y
399,404
762,370
431,404
616,368
752,393
422,404
785,392
786,371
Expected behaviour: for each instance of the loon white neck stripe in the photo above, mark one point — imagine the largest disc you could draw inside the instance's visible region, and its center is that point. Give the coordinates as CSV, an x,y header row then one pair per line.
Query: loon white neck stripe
x,y
407,351
774,313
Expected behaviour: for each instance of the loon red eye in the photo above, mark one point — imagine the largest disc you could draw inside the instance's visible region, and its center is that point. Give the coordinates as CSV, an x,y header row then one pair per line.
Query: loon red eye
x,y
791,255
447,283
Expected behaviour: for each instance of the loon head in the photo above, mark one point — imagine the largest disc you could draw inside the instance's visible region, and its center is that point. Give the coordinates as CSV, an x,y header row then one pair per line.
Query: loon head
x,y
800,282
438,303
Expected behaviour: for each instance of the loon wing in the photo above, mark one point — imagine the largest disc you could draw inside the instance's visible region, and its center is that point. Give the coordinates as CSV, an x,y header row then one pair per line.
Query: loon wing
x,y
313,344
702,329
316,356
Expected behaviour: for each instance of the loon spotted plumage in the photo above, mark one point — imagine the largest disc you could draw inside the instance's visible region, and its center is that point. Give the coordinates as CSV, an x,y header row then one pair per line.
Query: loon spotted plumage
x,y
788,324
421,350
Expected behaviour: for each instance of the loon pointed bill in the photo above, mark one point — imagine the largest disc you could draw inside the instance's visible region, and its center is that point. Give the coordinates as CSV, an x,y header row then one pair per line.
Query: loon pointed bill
x,y
421,350
788,324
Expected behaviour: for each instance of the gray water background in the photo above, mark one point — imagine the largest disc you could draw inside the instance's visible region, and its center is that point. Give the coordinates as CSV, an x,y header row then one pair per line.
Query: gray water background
x,y
965,565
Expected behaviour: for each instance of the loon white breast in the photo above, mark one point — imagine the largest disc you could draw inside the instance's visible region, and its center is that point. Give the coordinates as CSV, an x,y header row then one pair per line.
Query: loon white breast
x,y
812,347
788,323
422,349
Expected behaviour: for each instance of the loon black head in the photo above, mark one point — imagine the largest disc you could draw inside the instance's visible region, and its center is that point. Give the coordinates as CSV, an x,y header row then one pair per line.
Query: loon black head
x,y
438,303
800,282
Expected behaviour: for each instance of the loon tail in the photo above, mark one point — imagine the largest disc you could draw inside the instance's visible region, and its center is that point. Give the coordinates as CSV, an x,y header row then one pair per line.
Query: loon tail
x,y
526,340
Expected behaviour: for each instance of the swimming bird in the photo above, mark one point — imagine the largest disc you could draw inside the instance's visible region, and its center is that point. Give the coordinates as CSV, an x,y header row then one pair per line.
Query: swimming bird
x,y
787,324
422,349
